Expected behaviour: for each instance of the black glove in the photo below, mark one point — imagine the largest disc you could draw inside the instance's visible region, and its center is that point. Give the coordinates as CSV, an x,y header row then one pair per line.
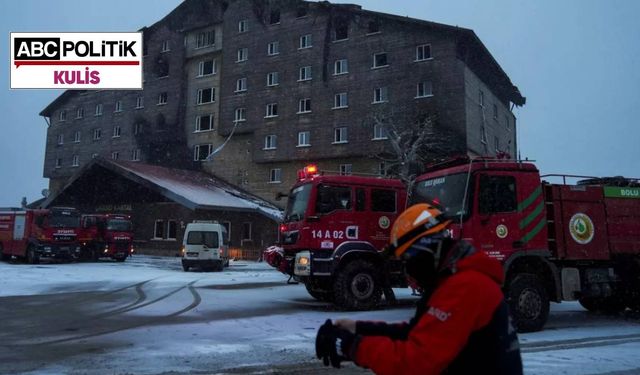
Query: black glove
x,y
333,344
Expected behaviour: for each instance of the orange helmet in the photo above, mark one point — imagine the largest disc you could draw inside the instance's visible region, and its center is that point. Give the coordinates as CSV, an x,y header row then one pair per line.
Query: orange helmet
x,y
415,222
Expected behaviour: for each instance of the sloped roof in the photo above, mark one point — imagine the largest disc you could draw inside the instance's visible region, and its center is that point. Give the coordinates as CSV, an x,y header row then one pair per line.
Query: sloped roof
x,y
192,189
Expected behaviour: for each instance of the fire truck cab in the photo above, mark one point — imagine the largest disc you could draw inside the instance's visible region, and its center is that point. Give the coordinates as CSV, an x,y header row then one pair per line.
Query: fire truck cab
x,y
333,230
35,234
557,241
107,235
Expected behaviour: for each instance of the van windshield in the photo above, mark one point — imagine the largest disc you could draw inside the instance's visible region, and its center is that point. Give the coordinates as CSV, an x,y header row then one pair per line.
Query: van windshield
x,y
209,239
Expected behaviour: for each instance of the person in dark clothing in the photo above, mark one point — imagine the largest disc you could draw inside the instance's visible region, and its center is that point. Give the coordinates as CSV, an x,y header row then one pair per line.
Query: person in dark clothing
x,y
461,325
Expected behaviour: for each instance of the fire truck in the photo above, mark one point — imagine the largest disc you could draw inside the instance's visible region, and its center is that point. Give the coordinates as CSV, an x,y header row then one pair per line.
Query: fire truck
x,y
107,235
35,234
558,241
333,230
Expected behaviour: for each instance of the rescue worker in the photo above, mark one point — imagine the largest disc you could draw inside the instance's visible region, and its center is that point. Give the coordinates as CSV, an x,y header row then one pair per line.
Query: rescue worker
x,y
461,325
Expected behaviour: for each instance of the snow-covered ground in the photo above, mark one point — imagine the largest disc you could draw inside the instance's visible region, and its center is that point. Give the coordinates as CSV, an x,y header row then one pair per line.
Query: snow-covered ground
x,y
147,316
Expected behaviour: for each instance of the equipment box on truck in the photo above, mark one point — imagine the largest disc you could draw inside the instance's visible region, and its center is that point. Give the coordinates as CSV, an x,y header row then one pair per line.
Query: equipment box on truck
x,y
205,246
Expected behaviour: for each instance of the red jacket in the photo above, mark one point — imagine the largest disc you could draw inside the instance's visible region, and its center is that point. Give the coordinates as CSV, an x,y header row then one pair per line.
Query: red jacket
x,y
463,327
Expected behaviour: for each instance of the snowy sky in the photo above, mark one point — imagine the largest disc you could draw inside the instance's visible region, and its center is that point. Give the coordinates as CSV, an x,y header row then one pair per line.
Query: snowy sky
x,y
576,61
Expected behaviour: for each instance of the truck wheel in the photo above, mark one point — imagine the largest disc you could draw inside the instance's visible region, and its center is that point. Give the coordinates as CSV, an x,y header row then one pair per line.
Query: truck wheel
x,y
607,305
32,257
185,268
5,257
319,294
357,286
528,302
121,259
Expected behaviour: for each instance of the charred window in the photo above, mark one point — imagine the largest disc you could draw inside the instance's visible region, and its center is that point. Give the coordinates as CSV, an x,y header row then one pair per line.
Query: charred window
x,y
373,27
331,198
275,16
383,200
302,10
341,31
497,194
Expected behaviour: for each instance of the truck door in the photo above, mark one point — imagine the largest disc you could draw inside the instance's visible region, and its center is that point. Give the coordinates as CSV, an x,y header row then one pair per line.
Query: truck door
x,y
497,219
334,206
18,232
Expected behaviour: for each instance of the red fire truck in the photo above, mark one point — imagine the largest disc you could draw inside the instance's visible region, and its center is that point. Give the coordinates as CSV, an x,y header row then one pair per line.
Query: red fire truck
x,y
41,233
557,241
107,235
333,229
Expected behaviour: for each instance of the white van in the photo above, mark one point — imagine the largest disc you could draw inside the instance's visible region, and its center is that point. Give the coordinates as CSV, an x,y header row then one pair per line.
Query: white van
x,y
205,244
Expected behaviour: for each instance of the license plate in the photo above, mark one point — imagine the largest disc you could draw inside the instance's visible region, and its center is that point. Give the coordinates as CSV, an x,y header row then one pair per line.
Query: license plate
x,y
64,248
195,255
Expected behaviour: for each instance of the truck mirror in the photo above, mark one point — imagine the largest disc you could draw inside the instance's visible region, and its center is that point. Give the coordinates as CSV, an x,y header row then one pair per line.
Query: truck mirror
x,y
279,195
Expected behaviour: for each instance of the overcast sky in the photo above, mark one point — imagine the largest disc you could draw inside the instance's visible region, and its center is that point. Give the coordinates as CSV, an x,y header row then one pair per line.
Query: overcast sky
x,y
576,61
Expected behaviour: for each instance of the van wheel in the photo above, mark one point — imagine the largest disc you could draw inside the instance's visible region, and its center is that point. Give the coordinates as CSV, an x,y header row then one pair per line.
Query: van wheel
x,y
528,302
32,257
357,286
185,268
218,266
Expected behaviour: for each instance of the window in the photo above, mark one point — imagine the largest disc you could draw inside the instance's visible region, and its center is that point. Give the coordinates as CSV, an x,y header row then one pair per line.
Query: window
x,y
165,46
80,112
60,140
139,102
172,229
373,27
507,123
240,115
305,41
206,96
204,123
379,132
345,169
423,52
380,60
270,142
135,155
118,106
383,200
76,161
492,187
340,101
246,231
97,134
162,98
496,141
483,135
272,79
340,67
243,54
116,131
273,48
158,230
137,128
424,89
380,95
275,175
201,152
495,111
241,85
115,155
98,111
58,162
481,98
382,169
76,137
341,31
304,139
205,39
206,68
243,26
361,196
331,198
226,232
304,105
62,116
305,73
274,18
340,135
272,110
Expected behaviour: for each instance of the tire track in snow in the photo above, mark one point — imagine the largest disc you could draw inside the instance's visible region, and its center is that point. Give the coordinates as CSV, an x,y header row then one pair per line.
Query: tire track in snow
x,y
578,343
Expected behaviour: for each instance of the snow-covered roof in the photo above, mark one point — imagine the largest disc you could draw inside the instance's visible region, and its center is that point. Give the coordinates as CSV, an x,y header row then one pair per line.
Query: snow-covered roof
x,y
193,189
